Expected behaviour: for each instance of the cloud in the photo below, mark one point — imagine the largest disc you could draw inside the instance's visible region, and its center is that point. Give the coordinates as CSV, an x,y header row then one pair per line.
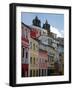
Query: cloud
x,y
60,33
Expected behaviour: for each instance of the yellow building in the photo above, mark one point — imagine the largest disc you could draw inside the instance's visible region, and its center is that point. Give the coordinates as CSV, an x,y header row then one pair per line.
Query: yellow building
x,y
34,66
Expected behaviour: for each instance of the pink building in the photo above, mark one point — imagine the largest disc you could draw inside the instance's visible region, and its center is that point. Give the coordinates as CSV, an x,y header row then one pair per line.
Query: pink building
x,y
43,63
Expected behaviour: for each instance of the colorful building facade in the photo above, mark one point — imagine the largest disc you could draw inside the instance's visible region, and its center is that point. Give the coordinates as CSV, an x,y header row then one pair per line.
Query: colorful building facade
x,y
61,54
34,58
25,41
34,46
43,62
42,52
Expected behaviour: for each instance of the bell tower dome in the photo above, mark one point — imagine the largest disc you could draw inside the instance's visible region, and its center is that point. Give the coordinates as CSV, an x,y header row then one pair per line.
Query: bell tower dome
x,y
36,22
46,26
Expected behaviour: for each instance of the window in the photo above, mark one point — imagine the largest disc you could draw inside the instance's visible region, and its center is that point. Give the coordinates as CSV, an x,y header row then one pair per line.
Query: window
x,y
51,58
22,31
34,46
45,61
49,41
33,72
30,73
30,60
45,74
46,71
36,72
26,54
60,54
42,72
42,60
26,34
31,45
22,52
34,60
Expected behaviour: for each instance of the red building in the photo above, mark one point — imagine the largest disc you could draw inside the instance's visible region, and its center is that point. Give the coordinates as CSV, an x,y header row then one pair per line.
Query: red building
x,y
25,41
35,32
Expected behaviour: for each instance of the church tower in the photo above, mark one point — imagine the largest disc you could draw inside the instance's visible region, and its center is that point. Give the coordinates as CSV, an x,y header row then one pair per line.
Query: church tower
x,y
47,27
36,22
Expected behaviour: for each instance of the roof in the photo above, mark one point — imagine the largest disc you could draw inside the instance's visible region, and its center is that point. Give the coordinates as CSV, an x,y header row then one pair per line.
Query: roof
x,y
25,25
38,28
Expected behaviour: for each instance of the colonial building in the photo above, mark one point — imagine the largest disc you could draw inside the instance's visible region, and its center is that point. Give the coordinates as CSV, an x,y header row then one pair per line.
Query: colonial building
x,y
51,60
35,32
51,48
43,59
49,45
34,66
43,62
34,58
42,51
25,41
61,54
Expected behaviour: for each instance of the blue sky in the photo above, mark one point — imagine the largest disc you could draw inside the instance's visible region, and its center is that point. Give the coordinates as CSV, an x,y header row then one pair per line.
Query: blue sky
x,y
55,20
